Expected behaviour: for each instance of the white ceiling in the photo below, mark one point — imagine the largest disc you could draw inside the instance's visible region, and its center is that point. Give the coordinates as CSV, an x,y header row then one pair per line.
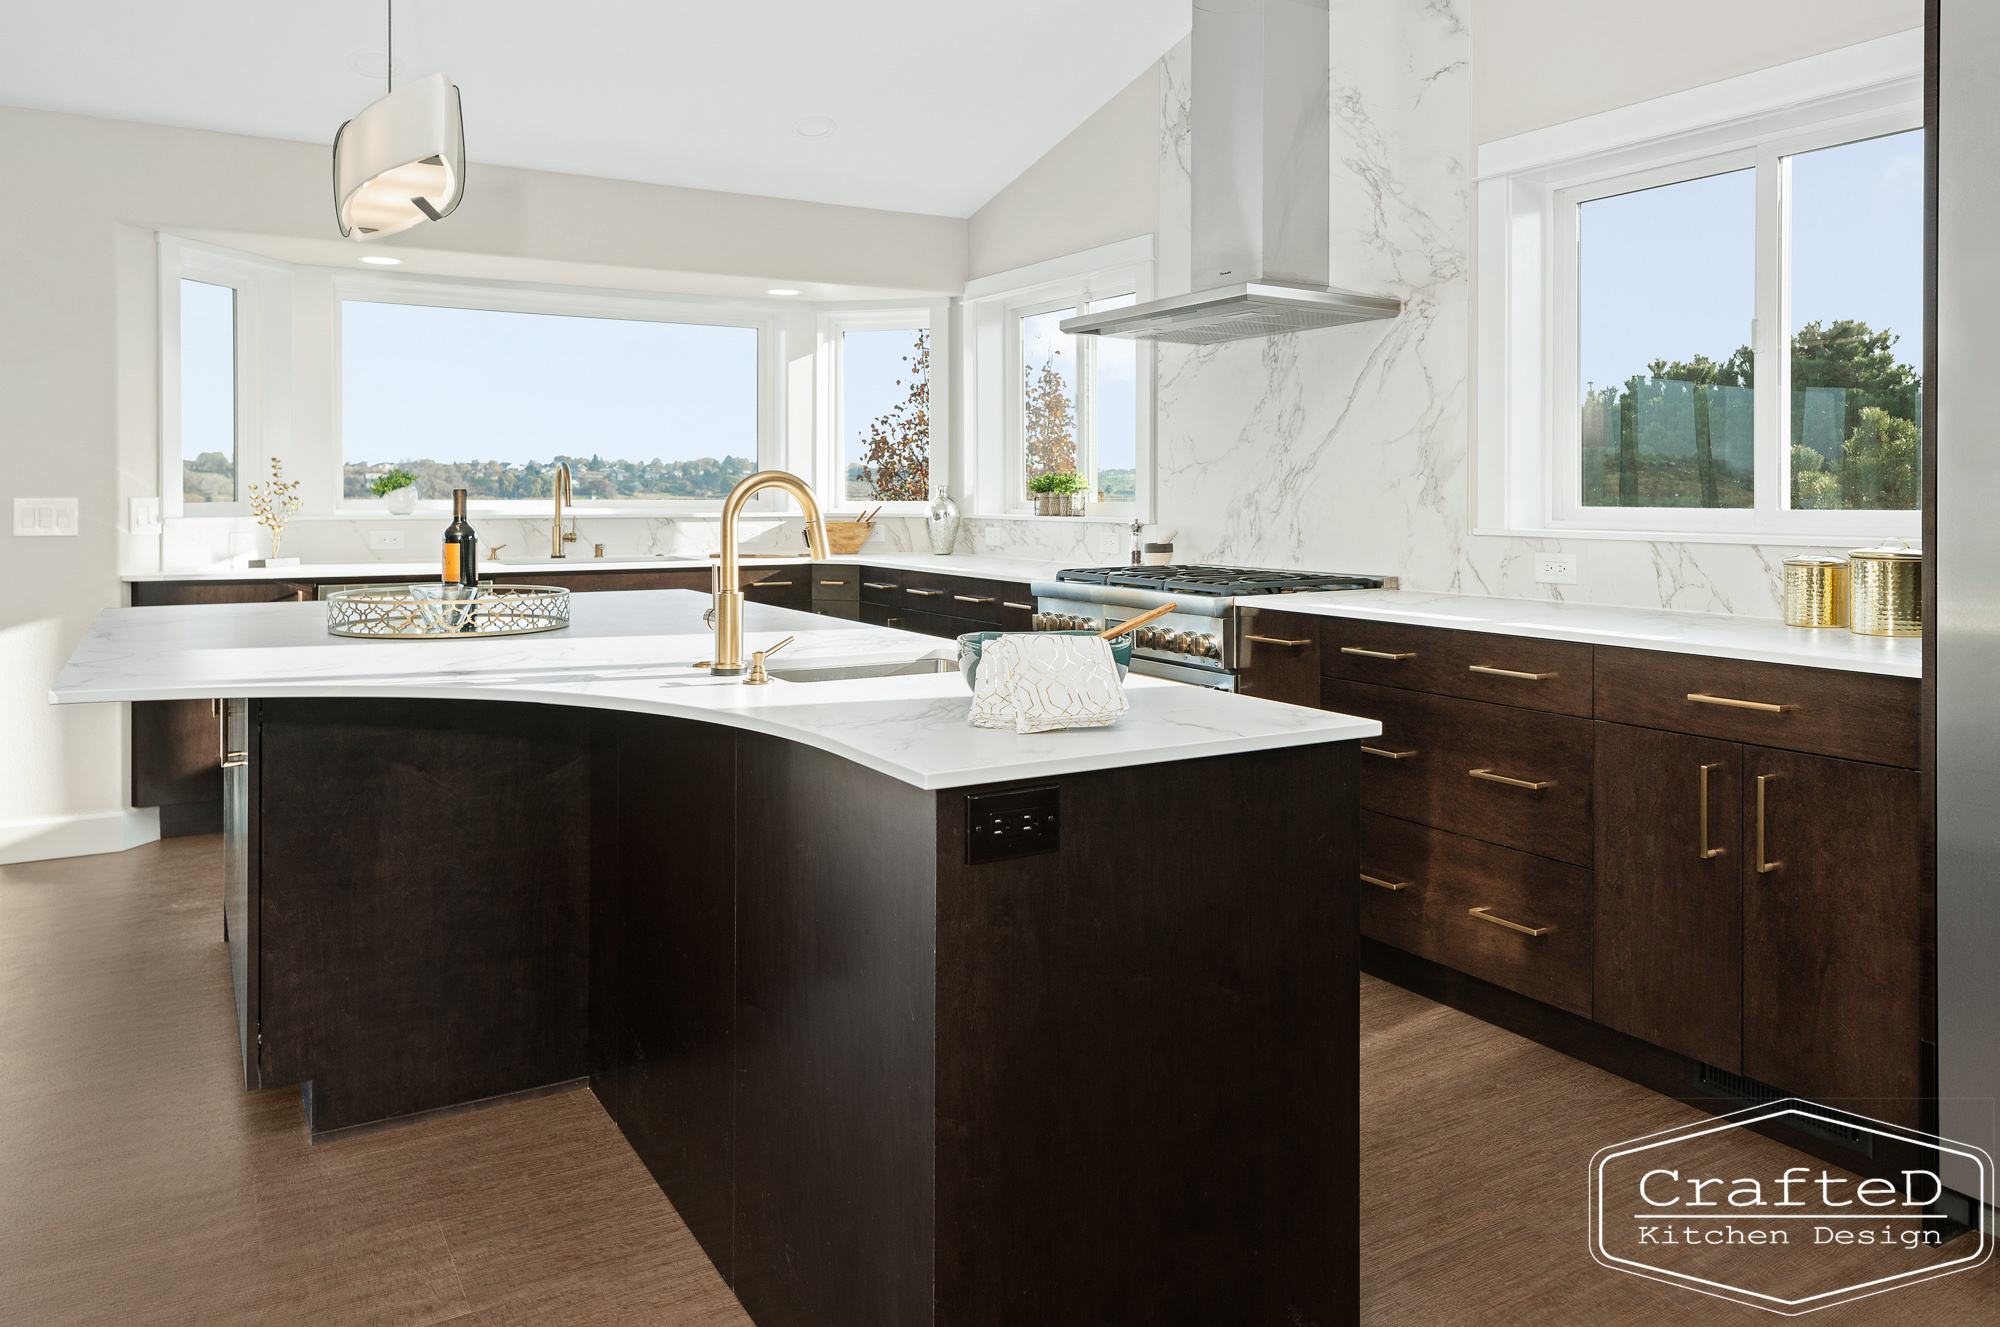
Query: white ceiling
x,y
938,103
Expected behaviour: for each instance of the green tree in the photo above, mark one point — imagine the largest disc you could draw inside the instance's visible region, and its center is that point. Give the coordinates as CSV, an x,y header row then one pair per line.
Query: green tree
x,y
896,452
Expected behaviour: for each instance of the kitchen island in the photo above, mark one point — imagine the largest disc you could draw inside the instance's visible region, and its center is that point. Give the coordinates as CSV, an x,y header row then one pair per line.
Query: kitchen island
x,y
1102,1071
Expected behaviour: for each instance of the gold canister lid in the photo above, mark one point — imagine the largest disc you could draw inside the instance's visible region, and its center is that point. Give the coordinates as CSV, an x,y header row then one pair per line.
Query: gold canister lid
x,y
1815,560
1884,553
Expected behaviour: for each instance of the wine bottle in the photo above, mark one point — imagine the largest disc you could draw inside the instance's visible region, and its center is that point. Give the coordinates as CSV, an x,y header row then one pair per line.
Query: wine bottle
x,y
461,547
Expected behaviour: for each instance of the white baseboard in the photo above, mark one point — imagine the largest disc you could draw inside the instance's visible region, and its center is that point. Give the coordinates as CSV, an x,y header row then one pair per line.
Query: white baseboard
x,y
77,836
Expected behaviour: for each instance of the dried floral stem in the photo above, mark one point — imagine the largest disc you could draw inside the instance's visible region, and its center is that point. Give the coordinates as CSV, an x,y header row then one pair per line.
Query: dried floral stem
x,y
275,504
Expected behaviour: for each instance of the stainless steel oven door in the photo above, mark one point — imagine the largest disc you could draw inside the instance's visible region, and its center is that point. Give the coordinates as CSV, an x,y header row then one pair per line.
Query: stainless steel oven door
x,y
1216,679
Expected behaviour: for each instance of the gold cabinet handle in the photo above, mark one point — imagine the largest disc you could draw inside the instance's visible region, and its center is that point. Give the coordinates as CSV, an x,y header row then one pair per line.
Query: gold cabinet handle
x,y
1531,784
1009,603
1486,916
1706,851
1508,672
1762,865
926,593
973,598
833,582
1386,884
1274,640
1385,754
226,758
1374,654
1700,699
876,585
768,585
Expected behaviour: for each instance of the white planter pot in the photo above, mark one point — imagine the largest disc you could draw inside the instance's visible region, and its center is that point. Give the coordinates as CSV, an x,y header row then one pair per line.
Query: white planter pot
x,y
401,501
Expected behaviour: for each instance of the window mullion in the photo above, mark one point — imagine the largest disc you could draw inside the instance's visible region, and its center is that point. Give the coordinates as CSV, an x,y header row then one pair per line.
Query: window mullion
x,y
1773,368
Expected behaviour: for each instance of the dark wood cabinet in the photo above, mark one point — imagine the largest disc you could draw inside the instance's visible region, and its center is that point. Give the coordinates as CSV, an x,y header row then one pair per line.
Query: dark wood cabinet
x,y
1670,891
1835,931
1277,655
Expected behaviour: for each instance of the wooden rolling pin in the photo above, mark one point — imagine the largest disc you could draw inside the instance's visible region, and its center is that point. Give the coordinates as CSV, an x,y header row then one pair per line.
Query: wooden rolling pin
x,y
1133,624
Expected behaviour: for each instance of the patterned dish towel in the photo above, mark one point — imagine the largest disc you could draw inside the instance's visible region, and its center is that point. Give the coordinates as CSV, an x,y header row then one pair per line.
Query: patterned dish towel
x,y
1039,682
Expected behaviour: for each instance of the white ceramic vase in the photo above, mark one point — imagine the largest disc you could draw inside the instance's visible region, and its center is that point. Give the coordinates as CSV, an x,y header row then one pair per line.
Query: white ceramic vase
x,y
402,501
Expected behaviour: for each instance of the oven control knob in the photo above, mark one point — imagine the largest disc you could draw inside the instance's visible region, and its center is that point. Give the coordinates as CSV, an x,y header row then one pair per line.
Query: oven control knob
x,y
1149,638
1208,647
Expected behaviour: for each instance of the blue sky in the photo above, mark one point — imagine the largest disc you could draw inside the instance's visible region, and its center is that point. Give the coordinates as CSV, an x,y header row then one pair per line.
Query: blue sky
x,y
872,362
1668,272
208,369
470,384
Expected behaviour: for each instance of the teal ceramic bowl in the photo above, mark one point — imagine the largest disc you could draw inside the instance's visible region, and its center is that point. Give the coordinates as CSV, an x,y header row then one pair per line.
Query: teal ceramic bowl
x,y
972,642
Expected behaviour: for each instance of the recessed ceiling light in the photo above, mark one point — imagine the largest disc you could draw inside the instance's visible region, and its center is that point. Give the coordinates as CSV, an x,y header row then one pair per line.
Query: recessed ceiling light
x,y
782,290
381,260
815,126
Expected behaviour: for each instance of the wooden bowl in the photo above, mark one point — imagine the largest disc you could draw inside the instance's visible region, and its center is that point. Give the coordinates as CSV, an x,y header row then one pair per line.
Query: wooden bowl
x,y
847,536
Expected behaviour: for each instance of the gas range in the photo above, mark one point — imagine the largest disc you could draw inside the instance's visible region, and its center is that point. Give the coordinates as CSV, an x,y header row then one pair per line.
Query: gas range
x,y
1197,642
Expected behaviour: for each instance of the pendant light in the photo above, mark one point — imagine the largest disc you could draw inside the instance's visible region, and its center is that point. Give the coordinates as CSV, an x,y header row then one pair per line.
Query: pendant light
x,y
401,161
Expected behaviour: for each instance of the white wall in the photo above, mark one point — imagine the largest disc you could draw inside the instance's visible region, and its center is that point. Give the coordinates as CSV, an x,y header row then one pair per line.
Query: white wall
x,y
1540,62
1096,186
80,201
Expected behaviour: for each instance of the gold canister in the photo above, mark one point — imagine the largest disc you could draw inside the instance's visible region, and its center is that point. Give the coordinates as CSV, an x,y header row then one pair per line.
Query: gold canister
x,y
1886,591
1815,591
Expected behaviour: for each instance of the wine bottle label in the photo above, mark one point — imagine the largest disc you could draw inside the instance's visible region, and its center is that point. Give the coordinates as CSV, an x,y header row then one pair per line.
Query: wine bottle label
x,y
451,563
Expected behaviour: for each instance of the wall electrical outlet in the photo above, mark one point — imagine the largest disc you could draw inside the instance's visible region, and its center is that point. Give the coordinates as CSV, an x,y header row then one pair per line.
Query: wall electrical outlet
x,y
1555,569
36,517
385,539
1105,540
145,516
989,537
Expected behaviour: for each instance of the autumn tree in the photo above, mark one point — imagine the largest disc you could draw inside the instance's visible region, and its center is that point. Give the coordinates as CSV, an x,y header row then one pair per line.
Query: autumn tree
x,y
1049,423
896,450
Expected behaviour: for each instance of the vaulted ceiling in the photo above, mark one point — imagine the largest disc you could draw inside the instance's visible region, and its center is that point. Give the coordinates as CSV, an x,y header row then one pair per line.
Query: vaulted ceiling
x,y
935,104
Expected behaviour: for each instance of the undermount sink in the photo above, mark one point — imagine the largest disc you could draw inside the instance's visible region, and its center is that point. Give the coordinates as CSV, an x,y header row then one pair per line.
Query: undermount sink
x,y
837,672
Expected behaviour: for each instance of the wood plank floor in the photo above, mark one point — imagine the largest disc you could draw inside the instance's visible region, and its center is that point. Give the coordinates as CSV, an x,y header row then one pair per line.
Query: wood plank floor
x,y
140,1184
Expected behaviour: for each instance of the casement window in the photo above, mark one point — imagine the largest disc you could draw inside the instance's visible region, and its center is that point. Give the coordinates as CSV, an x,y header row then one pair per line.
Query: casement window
x,y
1714,331
490,388
1046,401
883,437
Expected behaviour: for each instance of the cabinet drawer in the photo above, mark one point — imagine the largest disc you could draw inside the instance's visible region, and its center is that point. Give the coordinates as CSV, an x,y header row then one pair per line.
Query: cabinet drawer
x,y
1855,716
1277,655
937,624
881,585
788,587
953,596
834,580
849,609
1418,889
1464,766
1017,607
1536,674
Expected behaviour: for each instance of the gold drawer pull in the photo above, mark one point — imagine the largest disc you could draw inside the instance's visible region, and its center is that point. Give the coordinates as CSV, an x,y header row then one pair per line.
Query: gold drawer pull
x,y
1009,603
833,582
1762,865
923,592
1508,672
231,759
1706,851
768,585
1386,755
1274,640
877,585
1386,884
973,598
1486,916
1374,654
1700,699
1491,777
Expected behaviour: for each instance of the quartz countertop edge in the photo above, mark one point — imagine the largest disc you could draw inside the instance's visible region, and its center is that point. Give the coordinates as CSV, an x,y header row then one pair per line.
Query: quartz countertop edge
x,y
635,651
985,566
1716,635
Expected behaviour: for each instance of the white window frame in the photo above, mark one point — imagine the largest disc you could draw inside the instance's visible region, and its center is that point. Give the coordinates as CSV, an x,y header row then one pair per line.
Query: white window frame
x,y
993,308
263,368
829,473
520,297
1528,459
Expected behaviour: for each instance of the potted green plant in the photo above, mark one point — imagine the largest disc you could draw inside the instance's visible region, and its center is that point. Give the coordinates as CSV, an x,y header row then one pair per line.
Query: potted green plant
x,y
1058,493
398,491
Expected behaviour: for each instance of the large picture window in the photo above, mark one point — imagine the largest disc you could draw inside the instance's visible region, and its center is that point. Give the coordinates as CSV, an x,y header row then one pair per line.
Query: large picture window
x,y
491,400
1078,401
885,415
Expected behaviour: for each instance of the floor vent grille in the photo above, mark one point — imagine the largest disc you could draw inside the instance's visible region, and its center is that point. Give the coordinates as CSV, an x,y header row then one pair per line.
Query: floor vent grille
x,y
1713,1082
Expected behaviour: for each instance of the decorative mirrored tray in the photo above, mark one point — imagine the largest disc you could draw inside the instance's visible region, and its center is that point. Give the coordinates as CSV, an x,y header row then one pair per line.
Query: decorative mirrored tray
x,y
432,611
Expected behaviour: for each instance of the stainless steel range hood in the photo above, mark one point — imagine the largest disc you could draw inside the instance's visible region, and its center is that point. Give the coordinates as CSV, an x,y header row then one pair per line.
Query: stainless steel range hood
x,y
1260,156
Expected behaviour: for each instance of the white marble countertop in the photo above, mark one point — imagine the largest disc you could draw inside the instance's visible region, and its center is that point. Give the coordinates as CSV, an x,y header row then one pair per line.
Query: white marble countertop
x,y
1718,635
989,567
634,651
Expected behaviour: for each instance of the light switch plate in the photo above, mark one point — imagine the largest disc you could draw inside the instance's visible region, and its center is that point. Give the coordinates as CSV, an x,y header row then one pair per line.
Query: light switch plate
x,y
385,539
36,517
1555,569
145,516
